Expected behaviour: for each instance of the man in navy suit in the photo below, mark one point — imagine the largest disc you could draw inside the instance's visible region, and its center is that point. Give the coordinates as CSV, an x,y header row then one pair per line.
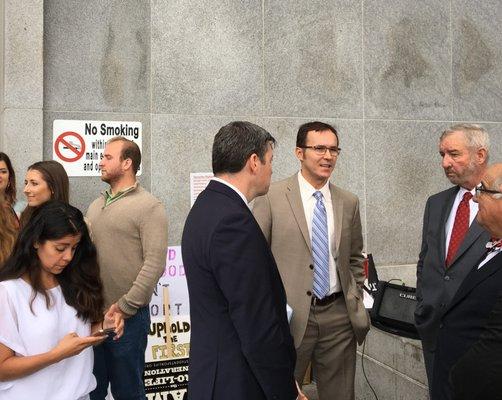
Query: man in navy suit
x,y
444,263
468,359
241,347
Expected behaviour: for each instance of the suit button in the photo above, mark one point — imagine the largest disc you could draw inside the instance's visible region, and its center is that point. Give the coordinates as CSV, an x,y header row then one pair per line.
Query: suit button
x,y
309,293
447,277
443,305
311,266
440,326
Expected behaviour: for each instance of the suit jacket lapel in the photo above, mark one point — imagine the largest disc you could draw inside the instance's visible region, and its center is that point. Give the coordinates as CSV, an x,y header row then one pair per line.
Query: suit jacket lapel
x,y
295,201
337,202
444,218
475,277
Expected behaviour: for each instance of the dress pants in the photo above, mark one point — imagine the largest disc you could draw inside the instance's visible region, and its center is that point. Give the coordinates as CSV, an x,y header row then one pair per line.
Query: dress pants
x,y
121,362
429,365
330,344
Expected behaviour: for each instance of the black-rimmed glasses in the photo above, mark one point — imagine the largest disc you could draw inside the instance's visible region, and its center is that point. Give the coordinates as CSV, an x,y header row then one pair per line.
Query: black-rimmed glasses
x,y
321,150
481,188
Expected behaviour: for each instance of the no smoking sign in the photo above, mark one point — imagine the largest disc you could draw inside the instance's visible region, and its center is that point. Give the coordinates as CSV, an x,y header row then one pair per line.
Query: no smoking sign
x,y
78,145
69,146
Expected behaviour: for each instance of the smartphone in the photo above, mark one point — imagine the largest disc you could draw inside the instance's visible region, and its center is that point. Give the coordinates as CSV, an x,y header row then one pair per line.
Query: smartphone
x,y
110,332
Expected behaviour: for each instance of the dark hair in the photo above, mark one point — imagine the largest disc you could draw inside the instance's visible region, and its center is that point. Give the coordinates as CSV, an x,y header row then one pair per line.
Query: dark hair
x,y
236,142
54,174
80,281
129,150
10,190
303,130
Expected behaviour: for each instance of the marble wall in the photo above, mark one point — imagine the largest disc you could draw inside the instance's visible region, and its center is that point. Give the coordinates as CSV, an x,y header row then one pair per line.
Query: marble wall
x,y
390,75
21,117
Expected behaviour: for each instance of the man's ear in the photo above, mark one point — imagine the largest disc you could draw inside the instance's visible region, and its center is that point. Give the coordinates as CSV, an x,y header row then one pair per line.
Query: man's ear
x,y
127,163
299,153
482,154
253,161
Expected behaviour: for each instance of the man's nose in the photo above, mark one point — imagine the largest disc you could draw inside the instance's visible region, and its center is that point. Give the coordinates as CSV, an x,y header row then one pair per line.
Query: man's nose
x,y
446,161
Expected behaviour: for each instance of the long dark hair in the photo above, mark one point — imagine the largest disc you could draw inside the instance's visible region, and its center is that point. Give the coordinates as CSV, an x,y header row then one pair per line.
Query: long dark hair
x,y
80,282
10,190
54,174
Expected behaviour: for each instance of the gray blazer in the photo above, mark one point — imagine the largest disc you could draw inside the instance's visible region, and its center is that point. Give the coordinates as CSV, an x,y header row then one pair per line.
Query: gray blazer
x,y
437,285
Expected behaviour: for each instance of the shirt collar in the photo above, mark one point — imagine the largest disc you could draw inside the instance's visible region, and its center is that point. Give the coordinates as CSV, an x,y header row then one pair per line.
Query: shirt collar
x,y
307,190
462,191
108,192
233,188
494,244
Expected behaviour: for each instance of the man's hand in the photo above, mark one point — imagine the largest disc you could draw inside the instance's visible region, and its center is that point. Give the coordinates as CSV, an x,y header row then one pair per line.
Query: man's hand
x,y
114,318
114,308
301,395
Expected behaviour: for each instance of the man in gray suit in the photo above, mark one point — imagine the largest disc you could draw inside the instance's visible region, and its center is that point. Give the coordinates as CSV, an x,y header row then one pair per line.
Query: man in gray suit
x,y
314,231
452,240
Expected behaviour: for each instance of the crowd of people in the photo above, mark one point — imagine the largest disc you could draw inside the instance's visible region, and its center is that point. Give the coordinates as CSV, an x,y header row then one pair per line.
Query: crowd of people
x,y
74,315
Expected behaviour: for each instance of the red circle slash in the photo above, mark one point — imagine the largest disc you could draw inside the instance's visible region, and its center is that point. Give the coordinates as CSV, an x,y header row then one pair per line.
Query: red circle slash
x,y
63,141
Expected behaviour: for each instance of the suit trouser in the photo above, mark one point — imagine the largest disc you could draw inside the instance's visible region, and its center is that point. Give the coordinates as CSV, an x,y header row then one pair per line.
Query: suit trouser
x,y
429,364
329,342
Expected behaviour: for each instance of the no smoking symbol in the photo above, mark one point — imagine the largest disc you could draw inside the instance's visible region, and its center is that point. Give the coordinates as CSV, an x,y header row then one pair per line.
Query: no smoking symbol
x,y
69,146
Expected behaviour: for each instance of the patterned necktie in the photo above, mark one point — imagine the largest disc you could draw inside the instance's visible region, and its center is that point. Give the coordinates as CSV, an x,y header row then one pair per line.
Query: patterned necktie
x,y
320,248
460,227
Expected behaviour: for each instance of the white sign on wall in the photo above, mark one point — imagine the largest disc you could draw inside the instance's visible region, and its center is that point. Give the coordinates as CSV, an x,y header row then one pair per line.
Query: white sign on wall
x,y
78,145
198,182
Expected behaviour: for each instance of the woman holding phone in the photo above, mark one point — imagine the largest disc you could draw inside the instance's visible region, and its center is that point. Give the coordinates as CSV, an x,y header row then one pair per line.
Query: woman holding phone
x,y
51,305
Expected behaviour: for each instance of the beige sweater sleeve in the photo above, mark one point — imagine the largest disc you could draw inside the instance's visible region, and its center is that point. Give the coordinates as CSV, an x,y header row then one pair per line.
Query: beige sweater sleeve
x,y
153,232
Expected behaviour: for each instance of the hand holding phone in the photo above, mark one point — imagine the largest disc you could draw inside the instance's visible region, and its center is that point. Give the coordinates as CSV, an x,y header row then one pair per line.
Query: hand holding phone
x,y
110,332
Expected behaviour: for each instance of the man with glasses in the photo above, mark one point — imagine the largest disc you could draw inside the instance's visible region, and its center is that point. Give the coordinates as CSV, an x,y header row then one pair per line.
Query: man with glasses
x,y
314,231
452,240
468,359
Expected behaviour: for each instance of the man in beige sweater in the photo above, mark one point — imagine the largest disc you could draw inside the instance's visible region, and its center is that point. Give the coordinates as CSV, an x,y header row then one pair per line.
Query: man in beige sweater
x,y
129,228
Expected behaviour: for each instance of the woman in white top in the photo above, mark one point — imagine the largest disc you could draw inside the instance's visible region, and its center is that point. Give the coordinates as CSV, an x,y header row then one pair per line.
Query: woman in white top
x,y
51,309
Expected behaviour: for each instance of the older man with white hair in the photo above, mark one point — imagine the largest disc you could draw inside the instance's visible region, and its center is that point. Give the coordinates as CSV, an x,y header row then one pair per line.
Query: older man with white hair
x,y
452,240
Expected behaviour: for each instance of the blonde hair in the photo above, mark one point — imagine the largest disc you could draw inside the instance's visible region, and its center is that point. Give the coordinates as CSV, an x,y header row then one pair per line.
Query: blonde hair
x,y
8,232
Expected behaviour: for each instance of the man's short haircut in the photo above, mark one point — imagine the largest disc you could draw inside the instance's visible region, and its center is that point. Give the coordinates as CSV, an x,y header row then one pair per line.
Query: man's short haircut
x,y
129,150
475,136
236,142
317,126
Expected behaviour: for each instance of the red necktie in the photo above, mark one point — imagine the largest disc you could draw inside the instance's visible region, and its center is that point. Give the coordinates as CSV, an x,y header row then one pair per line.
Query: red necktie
x,y
460,227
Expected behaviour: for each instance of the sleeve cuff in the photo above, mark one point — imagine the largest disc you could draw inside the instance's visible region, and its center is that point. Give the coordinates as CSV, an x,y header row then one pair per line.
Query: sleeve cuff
x,y
125,307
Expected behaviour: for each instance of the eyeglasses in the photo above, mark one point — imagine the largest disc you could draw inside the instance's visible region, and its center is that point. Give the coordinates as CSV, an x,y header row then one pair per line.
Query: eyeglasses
x,y
481,188
321,150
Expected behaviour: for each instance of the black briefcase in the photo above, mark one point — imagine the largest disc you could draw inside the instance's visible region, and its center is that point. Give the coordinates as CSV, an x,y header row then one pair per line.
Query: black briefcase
x,y
394,308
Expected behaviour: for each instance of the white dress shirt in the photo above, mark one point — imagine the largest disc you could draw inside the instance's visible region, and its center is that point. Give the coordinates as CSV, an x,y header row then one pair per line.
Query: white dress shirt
x,y
492,253
473,210
309,201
